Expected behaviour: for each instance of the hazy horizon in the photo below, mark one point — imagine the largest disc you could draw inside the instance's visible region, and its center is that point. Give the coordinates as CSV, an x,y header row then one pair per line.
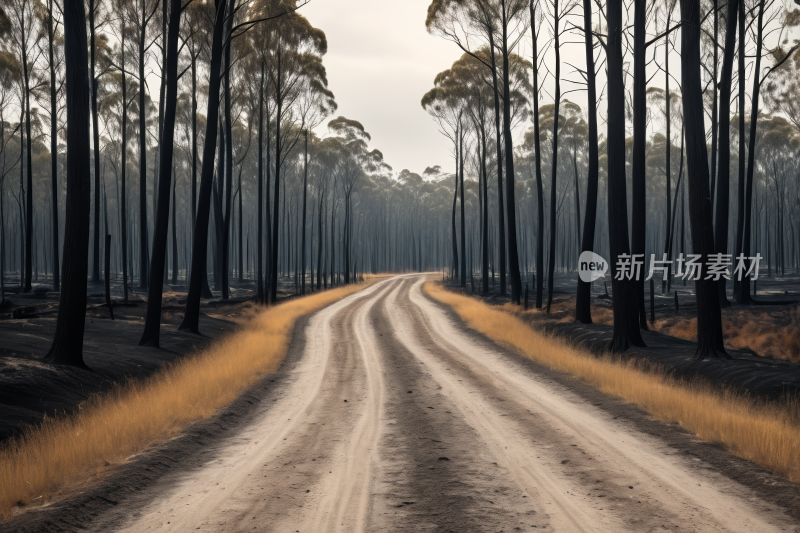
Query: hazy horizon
x,y
379,72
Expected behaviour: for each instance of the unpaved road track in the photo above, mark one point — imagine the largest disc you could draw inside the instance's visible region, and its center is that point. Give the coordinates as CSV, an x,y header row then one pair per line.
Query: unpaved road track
x,y
397,418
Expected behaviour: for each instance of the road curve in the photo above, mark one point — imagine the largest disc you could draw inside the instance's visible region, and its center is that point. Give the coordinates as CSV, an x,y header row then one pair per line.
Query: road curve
x,y
397,418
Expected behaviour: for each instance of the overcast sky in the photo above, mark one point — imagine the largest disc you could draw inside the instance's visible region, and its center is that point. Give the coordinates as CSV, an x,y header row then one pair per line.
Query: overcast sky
x,y
380,62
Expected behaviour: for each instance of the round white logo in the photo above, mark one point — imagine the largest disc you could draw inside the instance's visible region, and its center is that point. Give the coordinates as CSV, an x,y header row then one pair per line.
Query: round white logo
x,y
591,266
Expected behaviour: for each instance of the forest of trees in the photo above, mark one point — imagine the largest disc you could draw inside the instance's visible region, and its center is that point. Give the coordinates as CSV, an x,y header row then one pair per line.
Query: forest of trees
x,y
697,158
153,141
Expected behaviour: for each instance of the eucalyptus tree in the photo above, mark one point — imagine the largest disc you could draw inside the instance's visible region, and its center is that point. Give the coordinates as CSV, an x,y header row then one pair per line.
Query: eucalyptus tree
x,y
152,326
291,60
767,14
255,78
9,74
512,13
195,21
723,181
327,150
665,12
97,43
123,86
536,18
742,170
446,105
50,20
626,316
315,103
639,155
25,34
450,94
67,347
559,10
498,24
583,308
139,14
191,317
355,161
709,318
638,162
471,75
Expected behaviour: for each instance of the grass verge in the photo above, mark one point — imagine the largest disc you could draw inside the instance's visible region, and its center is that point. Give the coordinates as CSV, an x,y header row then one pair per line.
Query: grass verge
x,y
124,421
766,433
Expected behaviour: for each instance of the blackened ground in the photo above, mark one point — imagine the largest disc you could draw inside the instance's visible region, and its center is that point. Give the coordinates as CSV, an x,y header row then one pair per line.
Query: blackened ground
x,y
30,389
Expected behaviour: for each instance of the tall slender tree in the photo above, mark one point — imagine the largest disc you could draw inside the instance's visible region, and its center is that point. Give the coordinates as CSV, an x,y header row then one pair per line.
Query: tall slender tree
x,y
152,324
626,315
67,347
709,317
583,309
723,182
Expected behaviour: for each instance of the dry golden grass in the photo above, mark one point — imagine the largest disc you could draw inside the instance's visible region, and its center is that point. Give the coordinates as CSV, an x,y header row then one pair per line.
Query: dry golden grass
x,y
770,331
126,420
767,434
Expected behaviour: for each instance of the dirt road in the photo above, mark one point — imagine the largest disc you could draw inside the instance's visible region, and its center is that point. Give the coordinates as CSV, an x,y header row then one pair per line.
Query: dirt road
x,y
394,417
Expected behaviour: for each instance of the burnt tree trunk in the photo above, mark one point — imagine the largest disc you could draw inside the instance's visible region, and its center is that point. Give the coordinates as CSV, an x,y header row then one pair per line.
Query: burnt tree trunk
x,y
723,180
260,214
737,245
26,73
123,214
276,207
485,215
174,228
228,176
551,264
626,314
67,347
538,164
143,270
152,324
96,139
511,214
53,144
463,218
303,230
501,216
583,310
744,285
191,318
453,215
709,318
638,181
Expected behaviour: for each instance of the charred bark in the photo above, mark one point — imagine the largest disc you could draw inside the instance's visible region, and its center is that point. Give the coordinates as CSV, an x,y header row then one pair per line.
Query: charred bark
x,y
191,318
709,318
583,310
67,347
626,315
152,324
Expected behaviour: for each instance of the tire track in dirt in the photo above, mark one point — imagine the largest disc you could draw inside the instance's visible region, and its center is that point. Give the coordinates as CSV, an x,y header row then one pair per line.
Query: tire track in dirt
x,y
435,473
293,466
570,452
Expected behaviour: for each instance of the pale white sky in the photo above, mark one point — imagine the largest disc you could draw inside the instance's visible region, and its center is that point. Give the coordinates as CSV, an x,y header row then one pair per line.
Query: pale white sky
x,y
380,62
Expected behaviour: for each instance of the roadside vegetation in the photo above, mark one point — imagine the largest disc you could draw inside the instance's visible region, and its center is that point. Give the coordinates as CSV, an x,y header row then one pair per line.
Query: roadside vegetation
x,y
114,426
769,332
766,433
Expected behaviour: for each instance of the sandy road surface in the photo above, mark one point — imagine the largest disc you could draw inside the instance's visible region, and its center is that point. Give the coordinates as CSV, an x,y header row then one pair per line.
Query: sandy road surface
x,y
396,418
